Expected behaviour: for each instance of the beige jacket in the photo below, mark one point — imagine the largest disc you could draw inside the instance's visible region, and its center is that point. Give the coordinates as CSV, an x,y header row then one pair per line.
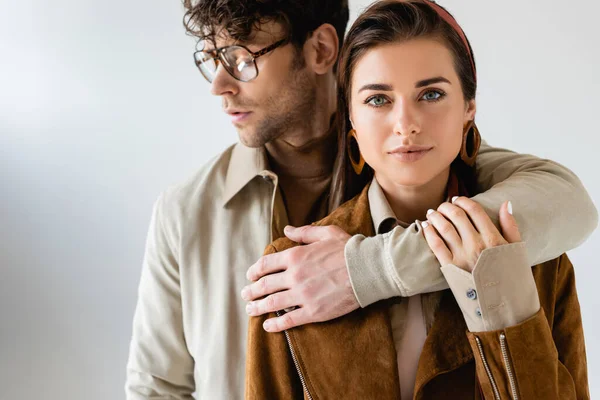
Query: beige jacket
x,y
190,325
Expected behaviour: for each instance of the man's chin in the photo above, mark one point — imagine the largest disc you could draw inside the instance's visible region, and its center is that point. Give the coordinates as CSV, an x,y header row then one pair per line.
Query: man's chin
x,y
250,138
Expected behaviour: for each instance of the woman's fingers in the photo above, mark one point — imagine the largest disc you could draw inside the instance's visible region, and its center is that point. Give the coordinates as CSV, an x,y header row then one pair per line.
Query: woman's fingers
x,y
508,224
458,217
436,244
445,230
489,233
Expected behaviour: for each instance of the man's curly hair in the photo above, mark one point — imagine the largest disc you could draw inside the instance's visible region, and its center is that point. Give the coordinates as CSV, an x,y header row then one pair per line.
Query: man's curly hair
x,y
239,18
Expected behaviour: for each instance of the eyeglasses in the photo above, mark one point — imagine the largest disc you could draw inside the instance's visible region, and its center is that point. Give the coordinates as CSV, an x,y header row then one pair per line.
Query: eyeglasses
x,y
237,60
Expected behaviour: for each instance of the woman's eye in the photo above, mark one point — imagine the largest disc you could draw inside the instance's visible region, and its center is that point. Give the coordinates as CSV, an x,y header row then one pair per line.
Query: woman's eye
x,y
376,101
432,95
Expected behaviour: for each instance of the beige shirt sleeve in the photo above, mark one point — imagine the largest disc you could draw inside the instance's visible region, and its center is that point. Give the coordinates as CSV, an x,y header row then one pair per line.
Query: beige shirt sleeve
x,y
499,293
553,210
159,365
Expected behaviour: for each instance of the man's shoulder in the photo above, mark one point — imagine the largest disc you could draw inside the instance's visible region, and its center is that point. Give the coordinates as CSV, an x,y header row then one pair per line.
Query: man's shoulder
x,y
353,216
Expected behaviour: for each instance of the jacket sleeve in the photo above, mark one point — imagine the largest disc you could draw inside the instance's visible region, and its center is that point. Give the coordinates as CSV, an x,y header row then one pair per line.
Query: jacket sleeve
x,y
538,358
499,292
270,368
553,210
159,365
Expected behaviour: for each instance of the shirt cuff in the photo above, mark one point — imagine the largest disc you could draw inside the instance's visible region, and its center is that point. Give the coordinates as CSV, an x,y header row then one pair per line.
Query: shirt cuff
x,y
501,291
368,270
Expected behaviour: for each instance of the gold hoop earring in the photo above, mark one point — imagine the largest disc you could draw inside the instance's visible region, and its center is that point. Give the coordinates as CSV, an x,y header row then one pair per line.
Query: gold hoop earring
x,y
357,166
470,144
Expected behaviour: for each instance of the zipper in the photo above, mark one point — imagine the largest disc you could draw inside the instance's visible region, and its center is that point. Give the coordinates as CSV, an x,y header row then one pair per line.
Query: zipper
x,y
487,369
509,370
289,342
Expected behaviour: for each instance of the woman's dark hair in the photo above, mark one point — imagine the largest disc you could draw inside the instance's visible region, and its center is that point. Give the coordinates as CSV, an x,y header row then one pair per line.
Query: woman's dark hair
x,y
239,18
392,21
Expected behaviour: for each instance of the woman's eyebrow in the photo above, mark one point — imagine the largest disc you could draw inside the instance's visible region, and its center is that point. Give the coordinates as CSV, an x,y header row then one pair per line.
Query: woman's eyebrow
x,y
389,88
376,86
430,81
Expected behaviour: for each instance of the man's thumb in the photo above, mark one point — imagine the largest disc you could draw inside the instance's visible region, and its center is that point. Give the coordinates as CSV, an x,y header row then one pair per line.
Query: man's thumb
x,y
508,223
305,234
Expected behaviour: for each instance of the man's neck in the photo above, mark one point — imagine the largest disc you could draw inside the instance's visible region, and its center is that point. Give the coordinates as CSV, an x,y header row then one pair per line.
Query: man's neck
x,y
300,159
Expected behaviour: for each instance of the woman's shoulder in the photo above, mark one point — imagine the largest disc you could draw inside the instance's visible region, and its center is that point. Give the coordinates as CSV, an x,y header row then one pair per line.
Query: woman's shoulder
x,y
555,281
554,271
353,216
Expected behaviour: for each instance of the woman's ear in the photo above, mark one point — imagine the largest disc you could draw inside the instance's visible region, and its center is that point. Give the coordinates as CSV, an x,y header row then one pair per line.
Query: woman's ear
x,y
321,49
470,110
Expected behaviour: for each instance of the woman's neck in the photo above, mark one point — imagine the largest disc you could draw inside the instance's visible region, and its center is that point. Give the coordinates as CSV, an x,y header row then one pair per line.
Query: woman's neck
x,y
411,203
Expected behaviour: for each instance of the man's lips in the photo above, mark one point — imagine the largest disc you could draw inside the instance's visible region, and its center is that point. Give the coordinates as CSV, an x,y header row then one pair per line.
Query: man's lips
x,y
238,116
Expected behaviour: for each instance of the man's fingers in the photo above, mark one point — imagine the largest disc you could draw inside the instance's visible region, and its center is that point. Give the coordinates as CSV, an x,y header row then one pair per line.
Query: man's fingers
x,y
286,321
267,264
309,234
272,303
508,224
266,285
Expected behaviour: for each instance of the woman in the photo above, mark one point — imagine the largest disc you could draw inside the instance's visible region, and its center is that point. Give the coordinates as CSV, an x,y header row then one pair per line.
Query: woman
x,y
407,83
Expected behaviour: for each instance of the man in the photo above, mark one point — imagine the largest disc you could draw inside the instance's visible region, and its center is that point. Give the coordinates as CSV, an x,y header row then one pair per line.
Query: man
x,y
190,323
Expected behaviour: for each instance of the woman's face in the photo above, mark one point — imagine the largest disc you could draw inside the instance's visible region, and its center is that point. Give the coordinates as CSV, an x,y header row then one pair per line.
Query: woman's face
x,y
408,110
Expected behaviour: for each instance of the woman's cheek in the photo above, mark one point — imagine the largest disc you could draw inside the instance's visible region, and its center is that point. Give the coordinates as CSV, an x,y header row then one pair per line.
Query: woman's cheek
x,y
371,147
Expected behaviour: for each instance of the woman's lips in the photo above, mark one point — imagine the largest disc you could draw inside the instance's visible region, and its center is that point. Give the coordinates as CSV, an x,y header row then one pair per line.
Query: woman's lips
x,y
410,156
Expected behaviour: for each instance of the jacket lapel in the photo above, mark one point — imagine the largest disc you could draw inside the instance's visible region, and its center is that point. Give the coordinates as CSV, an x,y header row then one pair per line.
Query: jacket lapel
x,y
446,347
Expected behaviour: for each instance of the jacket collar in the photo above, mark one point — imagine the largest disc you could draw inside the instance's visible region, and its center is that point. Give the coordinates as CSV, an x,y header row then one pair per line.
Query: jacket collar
x,y
382,214
245,164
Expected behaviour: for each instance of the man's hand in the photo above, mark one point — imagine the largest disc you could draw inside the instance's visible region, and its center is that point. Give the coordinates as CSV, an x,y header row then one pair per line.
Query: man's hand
x,y
313,278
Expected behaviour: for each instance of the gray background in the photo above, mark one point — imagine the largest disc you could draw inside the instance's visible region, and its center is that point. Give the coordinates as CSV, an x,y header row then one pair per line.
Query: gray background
x,y
101,108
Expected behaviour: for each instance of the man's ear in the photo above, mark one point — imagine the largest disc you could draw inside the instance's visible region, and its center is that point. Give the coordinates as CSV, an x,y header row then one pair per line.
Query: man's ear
x,y
321,49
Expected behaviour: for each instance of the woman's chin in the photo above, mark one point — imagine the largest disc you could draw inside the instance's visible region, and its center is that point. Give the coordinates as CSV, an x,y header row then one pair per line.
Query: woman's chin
x,y
408,178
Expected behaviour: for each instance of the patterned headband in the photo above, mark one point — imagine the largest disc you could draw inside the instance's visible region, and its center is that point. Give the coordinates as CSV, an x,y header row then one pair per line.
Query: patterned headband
x,y
446,16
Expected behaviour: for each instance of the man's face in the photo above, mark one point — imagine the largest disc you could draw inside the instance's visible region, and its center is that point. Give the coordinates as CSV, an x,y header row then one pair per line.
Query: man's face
x,y
280,99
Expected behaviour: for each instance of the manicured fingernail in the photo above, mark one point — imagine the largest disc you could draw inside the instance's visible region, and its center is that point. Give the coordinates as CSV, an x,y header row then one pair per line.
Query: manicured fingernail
x,y
267,326
510,210
454,199
249,308
287,229
430,211
245,293
424,224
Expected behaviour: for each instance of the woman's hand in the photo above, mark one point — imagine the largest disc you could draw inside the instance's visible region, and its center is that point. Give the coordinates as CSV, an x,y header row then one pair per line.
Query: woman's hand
x,y
458,232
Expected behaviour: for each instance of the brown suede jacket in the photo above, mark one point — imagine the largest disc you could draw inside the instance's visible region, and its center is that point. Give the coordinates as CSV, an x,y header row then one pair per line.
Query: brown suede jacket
x,y
353,357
